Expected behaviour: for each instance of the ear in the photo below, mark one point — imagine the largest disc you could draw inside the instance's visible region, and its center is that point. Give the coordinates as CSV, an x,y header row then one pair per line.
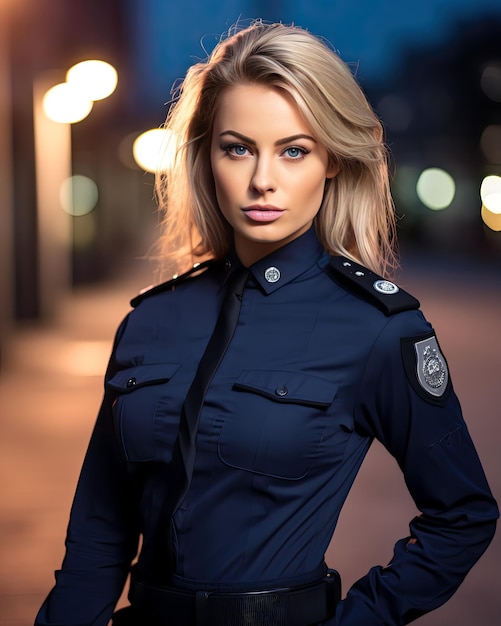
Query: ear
x,y
332,169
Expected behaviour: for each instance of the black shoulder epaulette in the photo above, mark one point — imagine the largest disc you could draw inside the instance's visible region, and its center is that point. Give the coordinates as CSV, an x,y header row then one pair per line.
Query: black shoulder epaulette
x,y
382,293
175,280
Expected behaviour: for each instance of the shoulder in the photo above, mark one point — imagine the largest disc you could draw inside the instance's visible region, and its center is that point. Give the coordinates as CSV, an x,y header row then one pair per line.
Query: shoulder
x,y
169,285
406,341
369,286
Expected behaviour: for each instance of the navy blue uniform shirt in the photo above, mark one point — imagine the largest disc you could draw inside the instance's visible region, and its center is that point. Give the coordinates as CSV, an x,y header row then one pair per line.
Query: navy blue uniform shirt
x,y
312,375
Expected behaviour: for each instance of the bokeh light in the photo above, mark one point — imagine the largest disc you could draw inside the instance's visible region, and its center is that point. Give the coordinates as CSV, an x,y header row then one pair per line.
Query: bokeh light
x,y
491,219
490,82
490,193
155,150
436,188
78,195
94,79
490,142
64,104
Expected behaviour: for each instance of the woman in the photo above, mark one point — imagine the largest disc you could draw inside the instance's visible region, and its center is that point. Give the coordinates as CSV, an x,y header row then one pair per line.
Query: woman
x,y
232,465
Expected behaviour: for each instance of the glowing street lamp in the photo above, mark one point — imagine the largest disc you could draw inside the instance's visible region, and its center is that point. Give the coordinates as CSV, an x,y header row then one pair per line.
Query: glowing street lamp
x,y
490,192
86,82
436,188
155,150
94,79
64,104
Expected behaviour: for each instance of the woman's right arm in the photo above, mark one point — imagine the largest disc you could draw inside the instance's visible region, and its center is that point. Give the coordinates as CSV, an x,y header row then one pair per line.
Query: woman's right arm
x,y
102,534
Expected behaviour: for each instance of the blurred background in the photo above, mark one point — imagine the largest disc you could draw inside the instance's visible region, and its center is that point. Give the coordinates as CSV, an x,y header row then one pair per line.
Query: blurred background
x,y
78,218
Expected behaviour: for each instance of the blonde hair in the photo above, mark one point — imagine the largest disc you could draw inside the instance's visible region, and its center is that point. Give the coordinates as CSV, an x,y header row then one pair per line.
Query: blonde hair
x,y
356,218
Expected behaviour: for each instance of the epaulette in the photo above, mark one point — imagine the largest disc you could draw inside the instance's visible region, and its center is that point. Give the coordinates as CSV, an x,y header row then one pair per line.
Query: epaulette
x,y
169,284
382,293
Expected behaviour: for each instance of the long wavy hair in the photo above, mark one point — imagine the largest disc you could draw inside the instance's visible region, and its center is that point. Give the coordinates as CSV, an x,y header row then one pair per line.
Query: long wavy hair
x,y
356,217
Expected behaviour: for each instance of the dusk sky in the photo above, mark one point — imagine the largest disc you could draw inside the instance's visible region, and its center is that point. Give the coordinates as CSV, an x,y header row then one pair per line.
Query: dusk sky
x,y
168,36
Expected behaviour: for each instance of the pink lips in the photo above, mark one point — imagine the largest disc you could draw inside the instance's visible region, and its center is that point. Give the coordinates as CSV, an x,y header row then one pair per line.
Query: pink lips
x,y
259,213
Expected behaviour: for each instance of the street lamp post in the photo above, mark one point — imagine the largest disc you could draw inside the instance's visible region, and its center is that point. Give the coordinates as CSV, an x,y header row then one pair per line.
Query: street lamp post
x,y
55,108
53,166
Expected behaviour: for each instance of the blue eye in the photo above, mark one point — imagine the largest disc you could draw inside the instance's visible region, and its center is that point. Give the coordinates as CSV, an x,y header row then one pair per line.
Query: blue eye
x,y
235,149
294,152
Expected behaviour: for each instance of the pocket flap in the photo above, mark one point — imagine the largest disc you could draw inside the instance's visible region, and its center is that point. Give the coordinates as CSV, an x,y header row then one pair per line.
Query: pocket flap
x,y
132,378
288,387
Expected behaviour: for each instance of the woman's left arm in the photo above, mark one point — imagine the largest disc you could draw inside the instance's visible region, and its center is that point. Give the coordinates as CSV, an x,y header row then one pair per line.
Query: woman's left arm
x,y
410,406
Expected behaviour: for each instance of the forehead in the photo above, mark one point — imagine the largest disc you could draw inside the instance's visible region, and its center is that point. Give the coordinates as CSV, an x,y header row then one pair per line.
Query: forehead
x,y
254,109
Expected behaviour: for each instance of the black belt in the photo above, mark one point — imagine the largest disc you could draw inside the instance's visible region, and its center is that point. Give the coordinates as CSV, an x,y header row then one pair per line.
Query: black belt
x,y
290,606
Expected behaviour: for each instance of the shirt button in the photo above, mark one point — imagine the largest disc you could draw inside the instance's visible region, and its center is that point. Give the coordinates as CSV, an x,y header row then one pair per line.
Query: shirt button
x,y
131,383
272,274
281,391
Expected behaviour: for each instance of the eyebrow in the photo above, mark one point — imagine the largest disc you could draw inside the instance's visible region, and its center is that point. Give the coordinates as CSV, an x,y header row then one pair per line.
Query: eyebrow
x,y
280,142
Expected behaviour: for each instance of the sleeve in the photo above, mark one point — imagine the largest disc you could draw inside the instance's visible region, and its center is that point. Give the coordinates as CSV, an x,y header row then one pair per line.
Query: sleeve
x,y
410,406
102,534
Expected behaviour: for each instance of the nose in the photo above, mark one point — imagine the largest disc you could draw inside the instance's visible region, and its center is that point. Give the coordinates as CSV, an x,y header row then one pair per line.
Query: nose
x,y
263,178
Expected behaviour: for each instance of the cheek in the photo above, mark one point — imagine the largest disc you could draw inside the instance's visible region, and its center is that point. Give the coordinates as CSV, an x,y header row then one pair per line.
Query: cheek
x,y
223,186
225,193
312,190
230,184
219,173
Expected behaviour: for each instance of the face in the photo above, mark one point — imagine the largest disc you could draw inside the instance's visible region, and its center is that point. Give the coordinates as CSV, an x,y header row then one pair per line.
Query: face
x,y
269,170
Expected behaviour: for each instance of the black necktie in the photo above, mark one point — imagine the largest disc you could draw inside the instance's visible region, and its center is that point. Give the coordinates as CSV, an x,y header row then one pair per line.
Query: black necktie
x,y
180,470
211,358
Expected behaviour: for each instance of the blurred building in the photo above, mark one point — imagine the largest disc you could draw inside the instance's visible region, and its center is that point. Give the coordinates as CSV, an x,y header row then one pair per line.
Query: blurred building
x,y
442,109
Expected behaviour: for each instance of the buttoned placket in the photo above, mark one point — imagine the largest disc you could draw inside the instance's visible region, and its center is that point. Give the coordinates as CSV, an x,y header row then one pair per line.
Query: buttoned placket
x,y
184,452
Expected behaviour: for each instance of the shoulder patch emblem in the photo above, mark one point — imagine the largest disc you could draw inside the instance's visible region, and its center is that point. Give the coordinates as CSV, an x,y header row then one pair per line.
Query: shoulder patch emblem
x,y
426,368
432,371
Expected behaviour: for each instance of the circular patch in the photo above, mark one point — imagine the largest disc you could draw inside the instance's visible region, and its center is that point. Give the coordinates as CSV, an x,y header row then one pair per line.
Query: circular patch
x,y
272,274
386,287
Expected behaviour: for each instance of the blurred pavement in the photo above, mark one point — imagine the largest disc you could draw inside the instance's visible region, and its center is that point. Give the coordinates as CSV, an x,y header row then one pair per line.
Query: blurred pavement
x,y
50,390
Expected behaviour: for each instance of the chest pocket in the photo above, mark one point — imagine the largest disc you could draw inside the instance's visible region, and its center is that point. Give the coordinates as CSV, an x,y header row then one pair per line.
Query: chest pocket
x,y
278,423
144,411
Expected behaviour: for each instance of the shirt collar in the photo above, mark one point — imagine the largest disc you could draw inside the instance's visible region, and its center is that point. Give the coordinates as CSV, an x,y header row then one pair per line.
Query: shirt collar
x,y
285,264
